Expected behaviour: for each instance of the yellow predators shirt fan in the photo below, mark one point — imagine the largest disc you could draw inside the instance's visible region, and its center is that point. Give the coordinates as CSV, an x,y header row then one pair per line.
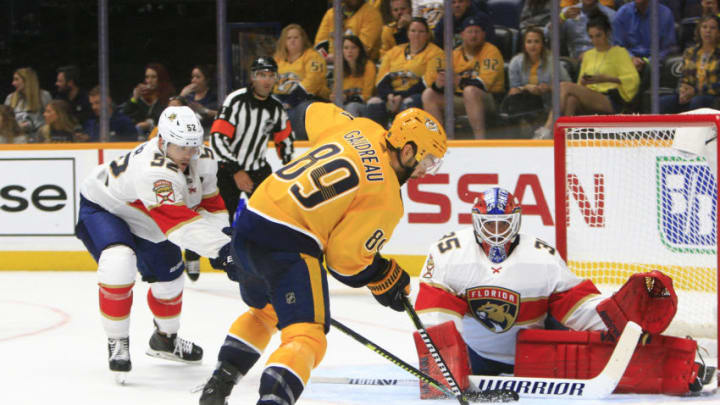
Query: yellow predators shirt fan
x,y
342,192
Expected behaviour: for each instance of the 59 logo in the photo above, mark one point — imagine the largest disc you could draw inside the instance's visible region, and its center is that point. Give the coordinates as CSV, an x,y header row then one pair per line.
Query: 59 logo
x,y
687,205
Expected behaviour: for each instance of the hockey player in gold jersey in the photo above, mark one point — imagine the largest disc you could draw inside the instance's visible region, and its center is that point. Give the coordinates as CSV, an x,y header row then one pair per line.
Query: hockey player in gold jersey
x,y
339,202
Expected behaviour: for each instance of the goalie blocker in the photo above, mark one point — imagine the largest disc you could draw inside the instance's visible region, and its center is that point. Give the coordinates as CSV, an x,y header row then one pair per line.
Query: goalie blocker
x,y
660,364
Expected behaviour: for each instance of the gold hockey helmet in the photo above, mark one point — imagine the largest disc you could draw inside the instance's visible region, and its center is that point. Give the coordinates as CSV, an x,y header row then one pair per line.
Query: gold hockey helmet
x,y
418,126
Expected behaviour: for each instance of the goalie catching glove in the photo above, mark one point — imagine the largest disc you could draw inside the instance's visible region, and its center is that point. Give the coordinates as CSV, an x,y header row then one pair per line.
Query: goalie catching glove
x,y
391,285
647,299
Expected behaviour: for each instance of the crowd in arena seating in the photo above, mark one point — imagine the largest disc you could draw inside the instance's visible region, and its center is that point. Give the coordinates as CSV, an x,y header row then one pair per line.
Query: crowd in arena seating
x,y
393,59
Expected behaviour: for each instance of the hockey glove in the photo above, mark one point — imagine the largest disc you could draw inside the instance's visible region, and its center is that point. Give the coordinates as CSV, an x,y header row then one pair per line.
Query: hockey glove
x,y
647,299
224,261
391,285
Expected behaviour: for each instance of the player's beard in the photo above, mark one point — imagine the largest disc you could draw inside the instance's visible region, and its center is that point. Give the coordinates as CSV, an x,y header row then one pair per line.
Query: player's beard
x,y
406,172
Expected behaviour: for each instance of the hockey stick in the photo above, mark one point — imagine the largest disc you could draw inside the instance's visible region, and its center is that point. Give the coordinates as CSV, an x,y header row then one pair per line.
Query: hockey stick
x,y
598,387
485,396
409,382
432,348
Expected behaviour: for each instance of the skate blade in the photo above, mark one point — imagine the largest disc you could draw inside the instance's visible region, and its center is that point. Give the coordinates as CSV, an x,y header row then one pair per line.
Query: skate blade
x,y
120,377
170,356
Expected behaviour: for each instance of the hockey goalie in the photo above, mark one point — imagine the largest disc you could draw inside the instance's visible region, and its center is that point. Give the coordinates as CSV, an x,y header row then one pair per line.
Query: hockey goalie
x,y
491,294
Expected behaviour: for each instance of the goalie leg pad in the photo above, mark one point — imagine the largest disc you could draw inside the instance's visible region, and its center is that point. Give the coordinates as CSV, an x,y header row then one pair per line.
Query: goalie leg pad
x,y
452,349
662,364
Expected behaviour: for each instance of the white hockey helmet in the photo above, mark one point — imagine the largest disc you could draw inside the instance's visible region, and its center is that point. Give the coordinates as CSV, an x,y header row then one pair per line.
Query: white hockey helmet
x,y
180,126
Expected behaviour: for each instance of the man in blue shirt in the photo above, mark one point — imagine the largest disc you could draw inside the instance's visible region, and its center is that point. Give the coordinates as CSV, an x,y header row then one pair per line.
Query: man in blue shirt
x,y
631,30
122,128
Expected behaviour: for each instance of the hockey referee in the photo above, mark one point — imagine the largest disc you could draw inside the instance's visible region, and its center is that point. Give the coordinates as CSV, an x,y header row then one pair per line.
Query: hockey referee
x,y
248,119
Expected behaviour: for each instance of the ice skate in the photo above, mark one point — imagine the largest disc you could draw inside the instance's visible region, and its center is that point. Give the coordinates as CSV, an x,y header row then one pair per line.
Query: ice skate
x,y
192,268
119,358
218,388
171,347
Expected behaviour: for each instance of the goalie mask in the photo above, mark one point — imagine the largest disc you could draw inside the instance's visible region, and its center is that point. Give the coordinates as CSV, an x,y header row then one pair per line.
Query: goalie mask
x,y
180,126
496,220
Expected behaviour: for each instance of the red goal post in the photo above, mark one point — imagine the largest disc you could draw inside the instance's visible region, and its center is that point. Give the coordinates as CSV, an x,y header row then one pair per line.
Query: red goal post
x,y
639,192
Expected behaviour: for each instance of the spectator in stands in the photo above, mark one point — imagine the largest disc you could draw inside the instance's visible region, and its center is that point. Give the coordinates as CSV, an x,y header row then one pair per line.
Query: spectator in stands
x,y
9,128
479,78
28,101
122,128
530,75
431,10
200,95
358,76
149,98
607,80
175,101
535,12
395,33
709,7
573,25
404,72
60,124
301,72
67,83
631,30
607,3
700,83
461,9
360,19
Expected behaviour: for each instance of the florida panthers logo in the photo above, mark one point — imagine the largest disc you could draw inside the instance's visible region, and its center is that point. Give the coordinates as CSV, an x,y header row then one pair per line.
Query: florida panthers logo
x,y
496,308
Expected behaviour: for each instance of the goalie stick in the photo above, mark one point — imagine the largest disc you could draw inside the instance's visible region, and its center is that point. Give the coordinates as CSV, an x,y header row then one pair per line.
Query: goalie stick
x,y
500,395
432,349
536,387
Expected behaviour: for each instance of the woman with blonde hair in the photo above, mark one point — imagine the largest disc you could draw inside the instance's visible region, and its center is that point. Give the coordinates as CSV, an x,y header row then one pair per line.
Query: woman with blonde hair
x,y
301,73
301,69
28,101
9,128
60,125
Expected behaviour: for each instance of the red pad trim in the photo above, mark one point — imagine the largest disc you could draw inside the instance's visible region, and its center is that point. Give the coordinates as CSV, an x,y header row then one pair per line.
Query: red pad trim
x,y
170,217
213,203
115,302
433,298
223,127
164,308
280,136
564,303
531,310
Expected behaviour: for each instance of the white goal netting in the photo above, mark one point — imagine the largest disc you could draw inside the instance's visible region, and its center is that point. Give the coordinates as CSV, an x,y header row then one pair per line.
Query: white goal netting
x,y
634,203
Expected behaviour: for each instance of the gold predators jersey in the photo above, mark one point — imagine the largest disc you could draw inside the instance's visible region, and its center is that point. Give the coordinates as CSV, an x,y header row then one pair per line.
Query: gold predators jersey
x,y
307,71
406,70
343,192
487,65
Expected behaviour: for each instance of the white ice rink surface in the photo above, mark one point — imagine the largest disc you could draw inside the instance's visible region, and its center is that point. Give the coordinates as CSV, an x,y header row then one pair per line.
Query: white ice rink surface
x,y
53,349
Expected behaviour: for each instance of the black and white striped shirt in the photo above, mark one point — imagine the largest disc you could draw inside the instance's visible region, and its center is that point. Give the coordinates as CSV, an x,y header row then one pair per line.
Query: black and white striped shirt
x,y
242,129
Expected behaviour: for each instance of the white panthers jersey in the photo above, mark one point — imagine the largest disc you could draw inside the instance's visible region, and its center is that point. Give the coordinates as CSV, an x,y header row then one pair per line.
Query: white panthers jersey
x,y
491,302
158,202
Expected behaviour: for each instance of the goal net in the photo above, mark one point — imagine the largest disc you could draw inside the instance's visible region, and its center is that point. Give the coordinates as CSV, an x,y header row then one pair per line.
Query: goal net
x,y
640,193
